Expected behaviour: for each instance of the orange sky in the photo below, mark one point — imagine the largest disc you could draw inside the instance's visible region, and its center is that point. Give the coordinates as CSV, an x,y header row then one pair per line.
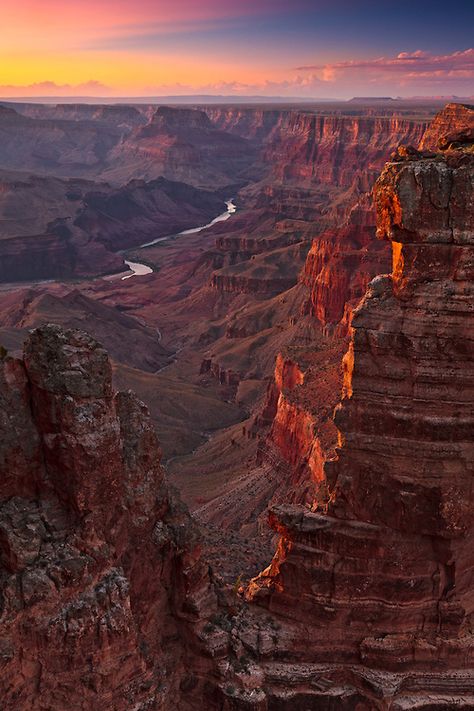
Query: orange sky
x,y
273,47
76,42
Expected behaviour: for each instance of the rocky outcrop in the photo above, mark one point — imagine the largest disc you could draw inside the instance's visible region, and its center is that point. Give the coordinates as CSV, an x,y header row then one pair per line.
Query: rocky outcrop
x,y
295,424
100,572
288,374
381,572
224,376
184,145
453,125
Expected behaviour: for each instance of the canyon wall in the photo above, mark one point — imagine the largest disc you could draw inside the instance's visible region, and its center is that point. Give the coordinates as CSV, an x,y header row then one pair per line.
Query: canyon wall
x,y
381,572
453,125
312,146
60,253
331,149
367,604
297,419
338,267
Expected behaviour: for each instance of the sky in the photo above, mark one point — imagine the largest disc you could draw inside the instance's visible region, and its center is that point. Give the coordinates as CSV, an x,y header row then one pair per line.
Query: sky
x,y
298,48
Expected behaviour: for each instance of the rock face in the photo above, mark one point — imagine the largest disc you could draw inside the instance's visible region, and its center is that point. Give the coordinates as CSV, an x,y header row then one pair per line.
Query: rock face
x,y
236,284
381,573
267,273
298,408
452,125
100,572
55,146
313,147
57,254
337,270
181,144
251,123
330,149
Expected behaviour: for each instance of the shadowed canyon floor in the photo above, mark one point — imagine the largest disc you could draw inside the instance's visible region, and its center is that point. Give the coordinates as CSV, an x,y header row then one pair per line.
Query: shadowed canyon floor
x,y
235,342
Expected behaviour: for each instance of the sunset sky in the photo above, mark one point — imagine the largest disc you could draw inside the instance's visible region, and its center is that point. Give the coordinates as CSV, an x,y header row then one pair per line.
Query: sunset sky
x,y
307,48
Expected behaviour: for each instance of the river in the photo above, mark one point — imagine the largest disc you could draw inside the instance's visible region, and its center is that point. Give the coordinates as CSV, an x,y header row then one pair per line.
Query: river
x,y
139,269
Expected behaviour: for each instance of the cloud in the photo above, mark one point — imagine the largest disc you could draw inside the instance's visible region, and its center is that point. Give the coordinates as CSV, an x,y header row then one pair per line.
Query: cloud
x,y
405,68
153,35
407,74
297,86
50,88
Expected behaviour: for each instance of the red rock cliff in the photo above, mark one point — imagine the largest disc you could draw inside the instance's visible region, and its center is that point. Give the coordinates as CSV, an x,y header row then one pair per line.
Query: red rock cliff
x,y
100,573
331,149
453,124
380,580
337,270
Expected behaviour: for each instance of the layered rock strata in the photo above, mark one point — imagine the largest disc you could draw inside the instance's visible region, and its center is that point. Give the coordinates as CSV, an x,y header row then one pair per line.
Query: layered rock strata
x,y
340,264
382,573
298,416
330,149
100,573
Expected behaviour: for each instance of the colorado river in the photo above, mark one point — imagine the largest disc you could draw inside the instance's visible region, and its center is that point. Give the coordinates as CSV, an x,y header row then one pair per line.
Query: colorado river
x,y
139,269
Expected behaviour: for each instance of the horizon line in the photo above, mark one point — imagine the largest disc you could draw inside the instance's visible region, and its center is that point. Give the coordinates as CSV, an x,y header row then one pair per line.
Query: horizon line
x,y
225,97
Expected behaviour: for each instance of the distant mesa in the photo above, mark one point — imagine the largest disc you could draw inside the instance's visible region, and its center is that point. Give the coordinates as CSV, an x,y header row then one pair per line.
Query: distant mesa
x,y
370,99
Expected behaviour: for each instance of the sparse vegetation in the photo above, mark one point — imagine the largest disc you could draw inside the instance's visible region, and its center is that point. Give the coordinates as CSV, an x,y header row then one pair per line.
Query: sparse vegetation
x,y
237,584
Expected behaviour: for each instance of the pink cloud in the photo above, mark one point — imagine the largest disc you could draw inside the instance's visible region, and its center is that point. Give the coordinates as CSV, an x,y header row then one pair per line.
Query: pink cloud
x,y
406,66
407,73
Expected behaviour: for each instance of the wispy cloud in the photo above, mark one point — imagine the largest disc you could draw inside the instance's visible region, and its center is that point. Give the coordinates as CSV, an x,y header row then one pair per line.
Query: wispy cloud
x,y
151,35
50,88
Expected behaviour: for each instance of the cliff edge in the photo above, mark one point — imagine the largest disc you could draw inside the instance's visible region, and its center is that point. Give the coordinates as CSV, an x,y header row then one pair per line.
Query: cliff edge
x,y
379,577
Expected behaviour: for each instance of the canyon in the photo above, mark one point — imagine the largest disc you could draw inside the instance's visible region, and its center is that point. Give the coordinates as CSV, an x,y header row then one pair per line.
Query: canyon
x,y
325,561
